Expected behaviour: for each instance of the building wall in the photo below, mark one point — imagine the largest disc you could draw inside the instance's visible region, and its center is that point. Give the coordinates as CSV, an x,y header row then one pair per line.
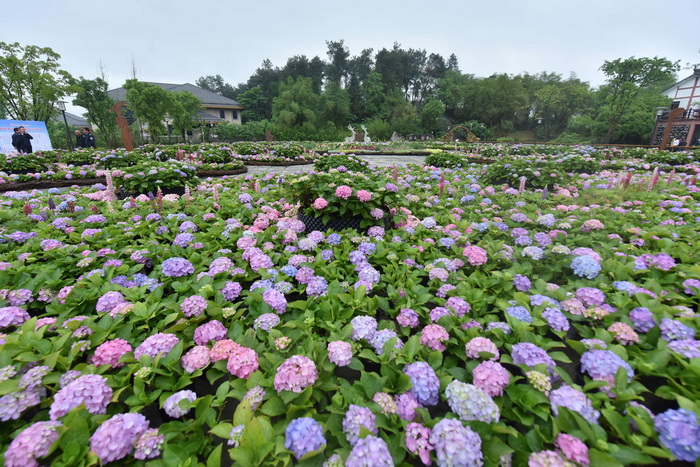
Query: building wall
x,y
230,115
687,93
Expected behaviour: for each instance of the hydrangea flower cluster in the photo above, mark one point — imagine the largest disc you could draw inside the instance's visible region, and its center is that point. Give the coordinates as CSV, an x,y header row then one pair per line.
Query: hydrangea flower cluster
x,y
91,390
195,359
418,441
425,385
433,336
157,344
295,374
210,331
355,418
193,306
172,403
370,451
573,449
242,361
340,353
481,344
31,444
471,403
585,266
456,444
530,355
110,352
177,267
568,397
115,438
304,435
679,431
491,377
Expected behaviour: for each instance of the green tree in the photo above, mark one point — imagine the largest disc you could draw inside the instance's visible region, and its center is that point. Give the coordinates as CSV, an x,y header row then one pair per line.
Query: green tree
x,y
31,81
184,110
296,105
150,104
339,55
335,105
254,103
216,84
373,95
626,79
91,94
432,115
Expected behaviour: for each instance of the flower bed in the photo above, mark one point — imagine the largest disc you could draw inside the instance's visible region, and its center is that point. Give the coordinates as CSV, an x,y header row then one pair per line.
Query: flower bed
x,y
489,326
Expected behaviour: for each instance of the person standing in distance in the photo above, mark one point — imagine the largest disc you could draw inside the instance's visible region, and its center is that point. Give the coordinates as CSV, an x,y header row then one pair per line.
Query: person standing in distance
x,y
79,139
89,138
16,136
25,141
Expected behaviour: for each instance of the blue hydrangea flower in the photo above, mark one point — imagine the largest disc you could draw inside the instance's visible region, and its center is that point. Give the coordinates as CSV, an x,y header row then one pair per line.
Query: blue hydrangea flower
x,y
679,432
425,385
586,267
519,312
304,435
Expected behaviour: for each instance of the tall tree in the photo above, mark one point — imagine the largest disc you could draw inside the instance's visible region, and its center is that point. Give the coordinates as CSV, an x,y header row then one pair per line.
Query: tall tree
x,y
184,110
296,105
626,79
338,54
255,105
150,104
91,94
335,105
31,81
216,84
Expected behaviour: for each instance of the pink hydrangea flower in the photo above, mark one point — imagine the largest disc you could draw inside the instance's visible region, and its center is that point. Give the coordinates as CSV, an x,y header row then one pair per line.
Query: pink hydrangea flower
x,y
211,331
295,374
475,255
340,353
433,335
491,378
193,306
320,203
196,358
343,191
222,349
242,362
573,449
481,344
110,352
364,195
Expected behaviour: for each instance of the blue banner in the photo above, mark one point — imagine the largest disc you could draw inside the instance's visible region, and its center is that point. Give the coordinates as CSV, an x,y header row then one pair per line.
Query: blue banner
x,y
41,141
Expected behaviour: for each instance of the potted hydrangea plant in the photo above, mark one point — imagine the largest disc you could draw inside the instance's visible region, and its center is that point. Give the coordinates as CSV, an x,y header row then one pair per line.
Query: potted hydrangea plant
x,y
170,176
337,200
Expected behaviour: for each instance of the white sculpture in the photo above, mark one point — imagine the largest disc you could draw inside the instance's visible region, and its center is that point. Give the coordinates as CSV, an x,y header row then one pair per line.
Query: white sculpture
x,y
367,139
350,139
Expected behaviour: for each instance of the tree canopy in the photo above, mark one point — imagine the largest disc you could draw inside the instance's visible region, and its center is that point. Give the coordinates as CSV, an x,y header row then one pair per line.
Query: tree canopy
x,y
31,81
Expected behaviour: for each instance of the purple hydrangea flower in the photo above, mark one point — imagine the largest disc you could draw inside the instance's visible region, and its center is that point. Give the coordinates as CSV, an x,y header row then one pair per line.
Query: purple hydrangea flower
x,y
418,441
276,300
148,445
370,451
157,344
115,438
556,319
304,435
471,403
231,291
530,355
31,444
672,330
456,444
602,365
12,316
679,432
363,327
193,306
521,283
568,397
210,331
520,313
172,403
91,390
355,418
406,405
642,319
340,353
408,318
177,267
425,385
266,321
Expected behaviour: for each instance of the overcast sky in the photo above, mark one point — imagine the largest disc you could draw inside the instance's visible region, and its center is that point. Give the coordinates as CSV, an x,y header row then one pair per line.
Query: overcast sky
x,y
177,41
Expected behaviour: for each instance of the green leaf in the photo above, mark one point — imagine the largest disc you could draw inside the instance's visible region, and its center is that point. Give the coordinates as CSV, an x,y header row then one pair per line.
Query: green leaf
x,y
601,459
214,459
243,413
222,430
273,407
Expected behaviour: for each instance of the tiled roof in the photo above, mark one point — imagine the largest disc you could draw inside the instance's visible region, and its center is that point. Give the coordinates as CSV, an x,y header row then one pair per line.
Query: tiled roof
x,y
209,99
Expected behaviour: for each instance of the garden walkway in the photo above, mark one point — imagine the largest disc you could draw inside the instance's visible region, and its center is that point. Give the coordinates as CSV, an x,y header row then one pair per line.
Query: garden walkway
x,y
376,160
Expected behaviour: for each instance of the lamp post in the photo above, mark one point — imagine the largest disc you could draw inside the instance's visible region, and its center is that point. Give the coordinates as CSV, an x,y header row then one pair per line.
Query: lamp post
x,y
62,107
